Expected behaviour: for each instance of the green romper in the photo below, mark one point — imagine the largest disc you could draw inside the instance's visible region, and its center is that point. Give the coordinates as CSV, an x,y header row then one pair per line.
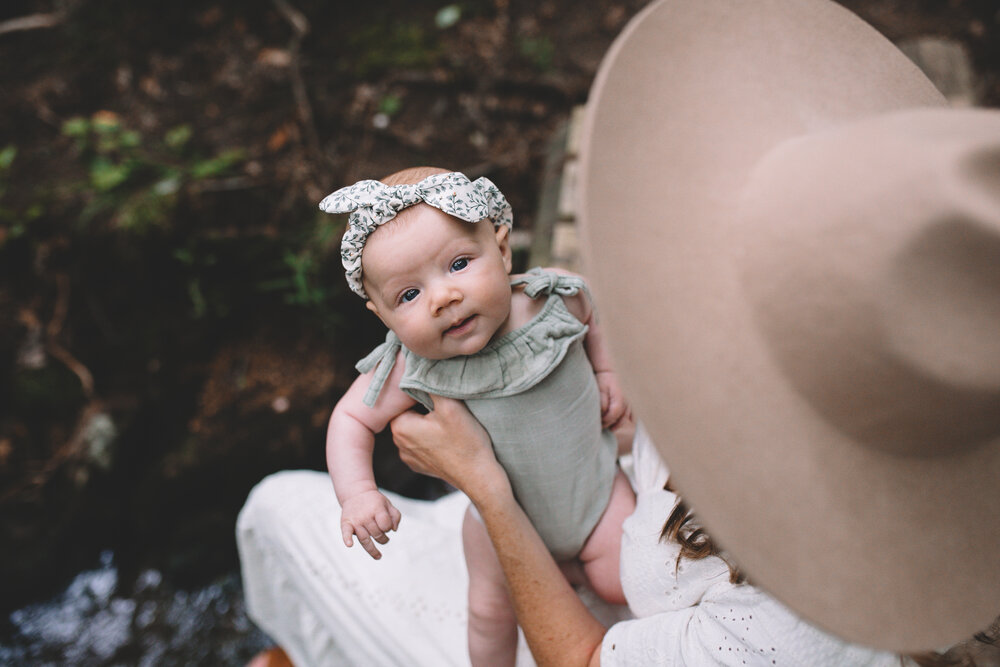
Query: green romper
x,y
534,391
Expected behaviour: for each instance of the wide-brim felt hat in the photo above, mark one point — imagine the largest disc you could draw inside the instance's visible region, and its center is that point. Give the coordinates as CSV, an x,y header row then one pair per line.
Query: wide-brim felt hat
x,y
794,246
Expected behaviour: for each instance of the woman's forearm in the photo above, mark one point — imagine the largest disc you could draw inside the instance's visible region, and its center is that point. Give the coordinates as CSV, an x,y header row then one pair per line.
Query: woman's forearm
x,y
559,628
449,443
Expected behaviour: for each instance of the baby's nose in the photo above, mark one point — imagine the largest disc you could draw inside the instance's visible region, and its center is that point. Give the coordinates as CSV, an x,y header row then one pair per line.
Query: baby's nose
x,y
444,296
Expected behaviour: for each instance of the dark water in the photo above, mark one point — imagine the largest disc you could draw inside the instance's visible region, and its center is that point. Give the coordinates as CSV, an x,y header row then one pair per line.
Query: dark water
x,y
100,620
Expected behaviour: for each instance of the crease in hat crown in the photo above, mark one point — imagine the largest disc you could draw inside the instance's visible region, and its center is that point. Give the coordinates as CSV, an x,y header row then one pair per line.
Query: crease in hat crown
x,y
372,203
890,296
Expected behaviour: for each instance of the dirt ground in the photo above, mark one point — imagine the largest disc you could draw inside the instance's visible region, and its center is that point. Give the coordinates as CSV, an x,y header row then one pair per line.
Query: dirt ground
x,y
164,275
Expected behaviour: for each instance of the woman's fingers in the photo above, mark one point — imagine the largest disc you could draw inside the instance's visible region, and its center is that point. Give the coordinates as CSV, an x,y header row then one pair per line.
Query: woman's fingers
x,y
447,443
447,405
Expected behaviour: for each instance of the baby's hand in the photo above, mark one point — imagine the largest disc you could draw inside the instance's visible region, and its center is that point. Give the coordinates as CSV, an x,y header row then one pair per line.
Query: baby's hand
x,y
613,405
369,515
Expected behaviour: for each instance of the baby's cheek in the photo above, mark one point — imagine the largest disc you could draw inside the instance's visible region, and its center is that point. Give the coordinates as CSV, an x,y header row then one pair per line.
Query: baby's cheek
x,y
423,343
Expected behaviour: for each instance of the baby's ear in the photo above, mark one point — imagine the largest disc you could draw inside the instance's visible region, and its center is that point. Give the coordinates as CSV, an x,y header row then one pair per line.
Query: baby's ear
x,y
503,241
370,305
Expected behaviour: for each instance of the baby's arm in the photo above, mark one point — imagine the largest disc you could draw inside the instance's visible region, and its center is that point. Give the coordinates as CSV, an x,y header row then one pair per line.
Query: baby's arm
x,y
613,405
350,439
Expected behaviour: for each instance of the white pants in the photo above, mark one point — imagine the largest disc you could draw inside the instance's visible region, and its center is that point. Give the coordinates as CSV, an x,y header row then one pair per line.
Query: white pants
x,y
326,604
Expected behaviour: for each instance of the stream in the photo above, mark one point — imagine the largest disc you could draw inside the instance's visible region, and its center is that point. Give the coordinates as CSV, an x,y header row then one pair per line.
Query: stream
x,y
100,620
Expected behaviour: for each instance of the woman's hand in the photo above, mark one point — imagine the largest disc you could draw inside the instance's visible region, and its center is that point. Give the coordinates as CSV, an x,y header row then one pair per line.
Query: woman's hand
x,y
450,444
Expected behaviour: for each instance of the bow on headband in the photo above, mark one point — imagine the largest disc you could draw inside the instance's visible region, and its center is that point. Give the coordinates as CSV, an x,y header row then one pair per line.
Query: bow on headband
x,y
373,203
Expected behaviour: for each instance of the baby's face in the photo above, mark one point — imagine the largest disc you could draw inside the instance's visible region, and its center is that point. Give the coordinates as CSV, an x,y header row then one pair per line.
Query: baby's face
x,y
440,283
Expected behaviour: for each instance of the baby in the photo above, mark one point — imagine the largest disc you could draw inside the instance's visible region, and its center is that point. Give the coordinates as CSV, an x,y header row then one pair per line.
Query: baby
x,y
523,352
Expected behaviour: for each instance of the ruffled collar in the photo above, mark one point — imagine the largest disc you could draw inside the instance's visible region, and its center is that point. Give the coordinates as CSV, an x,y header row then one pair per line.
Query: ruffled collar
x,y
508,365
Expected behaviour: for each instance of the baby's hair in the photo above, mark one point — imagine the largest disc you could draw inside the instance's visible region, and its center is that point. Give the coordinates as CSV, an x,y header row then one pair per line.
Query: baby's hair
x,y
409,177
412,175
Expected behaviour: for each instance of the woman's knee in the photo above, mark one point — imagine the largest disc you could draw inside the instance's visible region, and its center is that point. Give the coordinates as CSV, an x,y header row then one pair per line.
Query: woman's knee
x,y
272,499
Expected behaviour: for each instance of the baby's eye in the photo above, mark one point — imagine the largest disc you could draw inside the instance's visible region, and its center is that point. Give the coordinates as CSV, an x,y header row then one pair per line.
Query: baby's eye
x,y
409,295
460,264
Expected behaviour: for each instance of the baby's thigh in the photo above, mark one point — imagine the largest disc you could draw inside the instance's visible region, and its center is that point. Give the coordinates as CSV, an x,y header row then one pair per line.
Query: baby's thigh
x,y
601,553
487,591
480,556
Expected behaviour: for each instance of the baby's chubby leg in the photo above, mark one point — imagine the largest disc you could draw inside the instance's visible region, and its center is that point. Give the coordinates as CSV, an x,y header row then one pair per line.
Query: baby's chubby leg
x,y
601,553
492,624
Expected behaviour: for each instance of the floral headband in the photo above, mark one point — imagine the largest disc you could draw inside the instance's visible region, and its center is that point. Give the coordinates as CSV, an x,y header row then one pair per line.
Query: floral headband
x,y
373,203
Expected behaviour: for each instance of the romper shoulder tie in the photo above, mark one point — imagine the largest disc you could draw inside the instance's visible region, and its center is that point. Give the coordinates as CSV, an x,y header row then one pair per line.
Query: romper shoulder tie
x,y
538,281
382,359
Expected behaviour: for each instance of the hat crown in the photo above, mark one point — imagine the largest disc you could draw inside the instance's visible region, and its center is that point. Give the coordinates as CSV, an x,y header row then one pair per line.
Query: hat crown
x,y
872,263
880,537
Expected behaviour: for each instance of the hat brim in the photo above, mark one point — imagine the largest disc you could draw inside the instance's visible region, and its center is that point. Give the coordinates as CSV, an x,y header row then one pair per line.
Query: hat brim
x,y
898,553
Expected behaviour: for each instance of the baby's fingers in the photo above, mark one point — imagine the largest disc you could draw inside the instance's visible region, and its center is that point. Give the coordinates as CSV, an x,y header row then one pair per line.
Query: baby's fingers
x,y
365,540
347,532
375,531
614,412
385,521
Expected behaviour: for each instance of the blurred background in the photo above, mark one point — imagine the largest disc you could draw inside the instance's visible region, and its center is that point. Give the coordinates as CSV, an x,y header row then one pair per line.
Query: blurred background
x,y
174,322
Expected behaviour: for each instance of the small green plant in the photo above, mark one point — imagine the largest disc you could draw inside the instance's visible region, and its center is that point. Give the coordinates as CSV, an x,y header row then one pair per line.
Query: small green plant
x,y
8,215
539,51
305,291
176,138
14,218
309,267
7,155
219,165
390,105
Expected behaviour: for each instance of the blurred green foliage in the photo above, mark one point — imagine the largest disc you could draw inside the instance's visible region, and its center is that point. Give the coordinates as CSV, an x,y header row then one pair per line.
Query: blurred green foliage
x,y
390,105
397,44
388,41
155,221
8,215
134,178
312,279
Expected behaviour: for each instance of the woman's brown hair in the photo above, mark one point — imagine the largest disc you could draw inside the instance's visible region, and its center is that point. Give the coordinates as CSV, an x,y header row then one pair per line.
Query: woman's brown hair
x,y
696,544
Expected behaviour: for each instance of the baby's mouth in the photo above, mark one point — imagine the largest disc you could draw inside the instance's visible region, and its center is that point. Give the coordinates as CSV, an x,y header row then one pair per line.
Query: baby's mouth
x,y
461,327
